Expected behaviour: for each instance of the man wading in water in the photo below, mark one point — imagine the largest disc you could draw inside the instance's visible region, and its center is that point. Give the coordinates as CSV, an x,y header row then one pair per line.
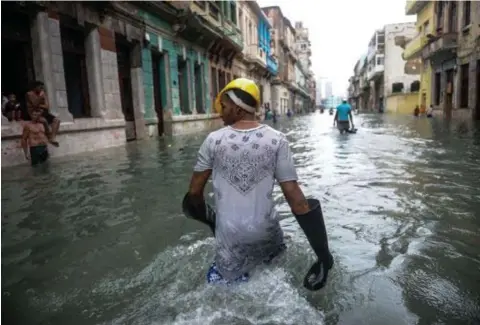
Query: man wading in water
x,y
343,117
34,139
244,159
37,99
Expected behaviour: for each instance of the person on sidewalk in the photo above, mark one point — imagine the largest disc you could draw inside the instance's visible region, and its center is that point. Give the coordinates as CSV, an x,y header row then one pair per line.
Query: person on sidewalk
x,y
34,139
429,111
343,117
245,158
37,99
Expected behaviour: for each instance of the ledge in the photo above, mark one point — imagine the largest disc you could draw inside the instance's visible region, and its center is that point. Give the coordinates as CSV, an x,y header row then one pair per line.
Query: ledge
x,y
14,129
196,117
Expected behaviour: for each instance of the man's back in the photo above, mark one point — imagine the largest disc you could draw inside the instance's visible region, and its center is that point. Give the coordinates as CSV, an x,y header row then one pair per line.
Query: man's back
x,y
343,111
245,164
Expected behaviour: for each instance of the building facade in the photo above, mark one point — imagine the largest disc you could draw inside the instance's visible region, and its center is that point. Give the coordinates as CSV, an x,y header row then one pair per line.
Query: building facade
x,y
303,48
280,90
447,43
89,57
256,61
383,72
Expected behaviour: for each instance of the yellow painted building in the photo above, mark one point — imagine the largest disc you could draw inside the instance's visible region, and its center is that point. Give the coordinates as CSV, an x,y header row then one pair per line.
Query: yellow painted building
x,y
425,25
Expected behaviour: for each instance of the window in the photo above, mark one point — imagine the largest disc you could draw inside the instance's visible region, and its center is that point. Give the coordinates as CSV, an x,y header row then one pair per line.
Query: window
x,y
201,4
380,60
440,5
233,12
466,13
464,71
304,46
213,10
415,86
397,87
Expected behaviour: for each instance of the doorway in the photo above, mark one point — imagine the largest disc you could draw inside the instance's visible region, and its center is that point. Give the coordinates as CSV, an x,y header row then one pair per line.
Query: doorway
x,y
477,97
75,67
214,82
125,85
17,58
158,72
183,85
199,89
449,91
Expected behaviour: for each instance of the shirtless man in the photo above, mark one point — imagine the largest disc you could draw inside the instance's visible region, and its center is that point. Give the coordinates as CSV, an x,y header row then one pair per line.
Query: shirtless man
x,y
34,139
37,99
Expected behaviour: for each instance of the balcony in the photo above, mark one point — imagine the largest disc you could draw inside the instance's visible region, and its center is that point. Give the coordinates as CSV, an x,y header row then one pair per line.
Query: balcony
x,y
375,72
444,45
255,55
413,7
414,48
272,65
233,33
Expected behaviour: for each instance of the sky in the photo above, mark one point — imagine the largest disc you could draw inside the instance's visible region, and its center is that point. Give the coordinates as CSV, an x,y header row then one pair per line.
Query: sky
x,y
340,31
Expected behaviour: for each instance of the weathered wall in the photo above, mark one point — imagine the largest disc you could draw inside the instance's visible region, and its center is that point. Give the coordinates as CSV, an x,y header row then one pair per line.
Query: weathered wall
x,y
402,103
163,40
394,62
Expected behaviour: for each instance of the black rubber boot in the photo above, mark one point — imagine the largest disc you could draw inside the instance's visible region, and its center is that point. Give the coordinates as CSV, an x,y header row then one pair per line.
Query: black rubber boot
x,y
314,228
203,213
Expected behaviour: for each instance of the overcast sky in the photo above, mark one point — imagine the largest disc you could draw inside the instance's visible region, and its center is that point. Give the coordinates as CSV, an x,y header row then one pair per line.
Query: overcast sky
x,y
340,31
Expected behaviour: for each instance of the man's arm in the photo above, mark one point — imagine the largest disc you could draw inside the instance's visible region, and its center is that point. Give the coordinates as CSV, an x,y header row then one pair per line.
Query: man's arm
x,y
335,117
30,102
45,105
351,116
286,175
201,173
25,136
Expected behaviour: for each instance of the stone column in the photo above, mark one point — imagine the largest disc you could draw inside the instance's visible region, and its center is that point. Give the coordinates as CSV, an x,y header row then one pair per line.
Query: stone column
x,y
111,86
138,91
95,73
191,86
48,62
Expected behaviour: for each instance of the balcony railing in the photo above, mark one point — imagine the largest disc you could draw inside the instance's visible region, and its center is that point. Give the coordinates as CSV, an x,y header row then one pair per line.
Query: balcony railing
x,y
376,71
444,43
414,47
272,65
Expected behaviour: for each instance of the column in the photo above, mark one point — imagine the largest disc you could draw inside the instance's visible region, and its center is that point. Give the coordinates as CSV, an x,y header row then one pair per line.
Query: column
x,y
137,91
94,73
48,62
191,83
111,86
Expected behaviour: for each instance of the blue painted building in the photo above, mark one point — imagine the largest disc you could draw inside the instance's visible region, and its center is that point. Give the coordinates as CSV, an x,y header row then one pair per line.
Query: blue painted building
x,y
176,65
264,42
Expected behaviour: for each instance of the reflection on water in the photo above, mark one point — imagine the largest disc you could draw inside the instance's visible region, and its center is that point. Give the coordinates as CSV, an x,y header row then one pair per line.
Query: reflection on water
x,y
100,239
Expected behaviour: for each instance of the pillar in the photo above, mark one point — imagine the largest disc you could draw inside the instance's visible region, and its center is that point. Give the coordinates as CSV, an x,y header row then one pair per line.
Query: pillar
x,y
137,91
48,62
95,76
191,85
111,86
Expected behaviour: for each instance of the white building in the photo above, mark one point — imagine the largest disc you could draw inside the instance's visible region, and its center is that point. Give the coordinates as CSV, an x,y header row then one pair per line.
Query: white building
x,y
385,64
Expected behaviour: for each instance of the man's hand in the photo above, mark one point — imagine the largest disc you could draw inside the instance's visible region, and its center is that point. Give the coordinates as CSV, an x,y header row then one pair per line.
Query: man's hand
x,y
27,156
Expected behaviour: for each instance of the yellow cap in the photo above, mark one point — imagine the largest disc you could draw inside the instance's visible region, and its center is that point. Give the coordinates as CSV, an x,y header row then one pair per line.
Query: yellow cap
x,y
247,85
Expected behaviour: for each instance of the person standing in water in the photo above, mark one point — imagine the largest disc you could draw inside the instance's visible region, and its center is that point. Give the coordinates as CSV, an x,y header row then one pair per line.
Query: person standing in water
x,y
343,117
37,99
34,139
245,158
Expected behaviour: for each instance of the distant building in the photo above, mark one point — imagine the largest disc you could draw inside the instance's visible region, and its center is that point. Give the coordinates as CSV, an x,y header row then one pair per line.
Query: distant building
x,y
328,89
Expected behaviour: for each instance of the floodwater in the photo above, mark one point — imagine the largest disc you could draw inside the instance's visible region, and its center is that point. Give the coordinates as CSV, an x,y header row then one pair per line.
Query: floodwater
x,y
100,238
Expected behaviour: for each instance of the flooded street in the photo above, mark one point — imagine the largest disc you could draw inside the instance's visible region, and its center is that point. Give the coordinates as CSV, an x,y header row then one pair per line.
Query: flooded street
x,y
100,238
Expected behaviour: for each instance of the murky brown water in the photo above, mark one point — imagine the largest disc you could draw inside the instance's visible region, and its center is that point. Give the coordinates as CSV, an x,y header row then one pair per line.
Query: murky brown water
x,y
100,239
